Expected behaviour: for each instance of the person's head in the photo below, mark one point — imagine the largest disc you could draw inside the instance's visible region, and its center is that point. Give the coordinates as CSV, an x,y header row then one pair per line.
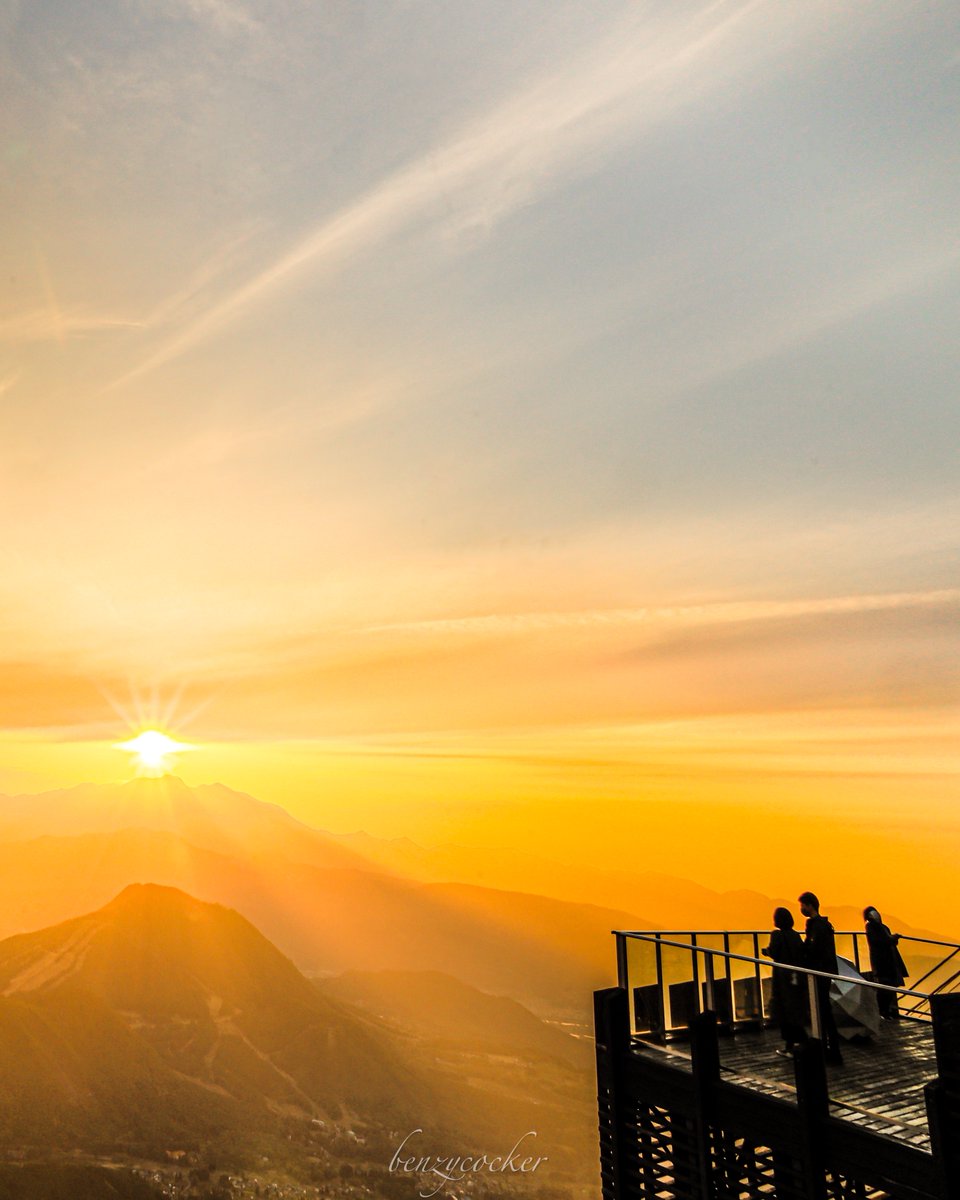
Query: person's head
x,y
809,904
783,918
871,914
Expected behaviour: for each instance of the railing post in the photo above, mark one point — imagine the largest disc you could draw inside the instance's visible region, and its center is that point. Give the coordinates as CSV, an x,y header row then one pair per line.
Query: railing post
x,y
757,977
943,1095
731,992
816,1017
618,1139
623,971
705,1066
709,998
813,1102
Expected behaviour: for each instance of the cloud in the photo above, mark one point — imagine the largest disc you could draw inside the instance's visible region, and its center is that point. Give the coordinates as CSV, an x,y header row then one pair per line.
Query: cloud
x,y
739,612
48,325
519,149
611,668
38,695
184,300
843,301
223,16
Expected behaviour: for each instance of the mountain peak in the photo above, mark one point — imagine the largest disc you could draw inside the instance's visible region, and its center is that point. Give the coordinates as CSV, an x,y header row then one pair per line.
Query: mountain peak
x,y
154,949
159,980
156,896
210,816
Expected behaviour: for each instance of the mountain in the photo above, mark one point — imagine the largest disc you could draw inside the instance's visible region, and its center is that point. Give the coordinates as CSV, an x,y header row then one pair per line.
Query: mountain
x,y
441,1008
160,1022
210,816
74,1072
48,1182
239,827
159,1012
668,901
334,907
546,953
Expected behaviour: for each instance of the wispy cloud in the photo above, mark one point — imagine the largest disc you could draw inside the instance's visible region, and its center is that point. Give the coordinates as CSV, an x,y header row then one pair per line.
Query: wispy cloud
x,y
724,613
181,305
521,148
845,301
46,325
224,16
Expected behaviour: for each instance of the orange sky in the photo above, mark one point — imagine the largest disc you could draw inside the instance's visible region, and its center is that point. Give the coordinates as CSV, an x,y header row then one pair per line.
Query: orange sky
x,y
540,431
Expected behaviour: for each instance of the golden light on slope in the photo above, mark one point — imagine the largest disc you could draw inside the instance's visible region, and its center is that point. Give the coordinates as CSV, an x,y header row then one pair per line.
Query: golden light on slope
x,y
153,750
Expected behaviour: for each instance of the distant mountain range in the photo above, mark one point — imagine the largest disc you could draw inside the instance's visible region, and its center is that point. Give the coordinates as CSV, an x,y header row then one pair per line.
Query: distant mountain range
x,y
140,1012
210,817
506,921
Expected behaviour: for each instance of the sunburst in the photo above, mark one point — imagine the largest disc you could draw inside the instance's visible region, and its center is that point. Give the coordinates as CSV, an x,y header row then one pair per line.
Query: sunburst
x,y
154,751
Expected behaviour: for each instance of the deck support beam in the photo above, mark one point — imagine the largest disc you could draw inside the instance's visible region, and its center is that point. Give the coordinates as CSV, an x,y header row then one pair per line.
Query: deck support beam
x,y
943,1095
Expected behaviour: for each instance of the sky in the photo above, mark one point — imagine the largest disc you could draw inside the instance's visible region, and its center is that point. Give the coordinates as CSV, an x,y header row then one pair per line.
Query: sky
x,y
490,422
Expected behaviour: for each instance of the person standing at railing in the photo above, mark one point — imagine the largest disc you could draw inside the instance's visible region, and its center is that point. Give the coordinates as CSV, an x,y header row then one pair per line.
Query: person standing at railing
x,y
821,955
885,962
789,987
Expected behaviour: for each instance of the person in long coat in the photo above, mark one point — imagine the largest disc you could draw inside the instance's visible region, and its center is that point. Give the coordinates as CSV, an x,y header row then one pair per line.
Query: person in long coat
x,y
789,987
821,955
885,961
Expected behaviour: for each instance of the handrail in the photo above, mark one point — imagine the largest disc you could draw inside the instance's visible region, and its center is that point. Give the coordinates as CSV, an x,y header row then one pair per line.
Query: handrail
x,y
765,930
653,937
939,990
942,963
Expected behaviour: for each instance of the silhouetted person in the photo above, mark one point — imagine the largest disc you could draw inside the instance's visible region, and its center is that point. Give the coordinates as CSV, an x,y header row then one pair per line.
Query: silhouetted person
x,y
789,987
821,955
885,961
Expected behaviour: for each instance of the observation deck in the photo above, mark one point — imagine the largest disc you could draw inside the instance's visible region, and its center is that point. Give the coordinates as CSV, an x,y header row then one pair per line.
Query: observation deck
x,y
696,1104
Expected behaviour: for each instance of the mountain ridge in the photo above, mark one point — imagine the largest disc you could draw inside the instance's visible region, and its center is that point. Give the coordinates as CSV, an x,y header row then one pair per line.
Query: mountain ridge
x,y
667,901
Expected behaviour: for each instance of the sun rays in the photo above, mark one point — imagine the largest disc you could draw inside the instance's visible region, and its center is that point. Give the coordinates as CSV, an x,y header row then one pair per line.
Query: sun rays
x,y
154,751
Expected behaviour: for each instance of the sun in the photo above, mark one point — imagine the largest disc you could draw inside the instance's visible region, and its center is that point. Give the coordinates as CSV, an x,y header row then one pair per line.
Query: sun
x,y
153,751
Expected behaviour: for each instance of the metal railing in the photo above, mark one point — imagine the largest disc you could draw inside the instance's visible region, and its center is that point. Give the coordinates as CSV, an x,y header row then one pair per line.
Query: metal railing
x,y
673,975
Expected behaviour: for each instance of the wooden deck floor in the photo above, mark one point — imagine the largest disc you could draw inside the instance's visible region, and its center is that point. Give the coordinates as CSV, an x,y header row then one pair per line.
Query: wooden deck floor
x,y
879,1086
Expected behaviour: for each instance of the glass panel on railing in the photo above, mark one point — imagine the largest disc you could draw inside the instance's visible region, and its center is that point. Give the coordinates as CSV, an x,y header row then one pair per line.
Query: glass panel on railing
x,y
745,978
679,980
845,950
860,953
717,996
646,1007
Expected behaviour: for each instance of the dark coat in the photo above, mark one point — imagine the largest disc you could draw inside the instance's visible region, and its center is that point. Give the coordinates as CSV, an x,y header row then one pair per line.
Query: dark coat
x,y
885,961
821,946
789,987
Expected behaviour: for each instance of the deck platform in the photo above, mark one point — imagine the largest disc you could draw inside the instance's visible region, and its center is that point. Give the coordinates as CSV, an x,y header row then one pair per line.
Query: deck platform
x,y
879,1087
695,1103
